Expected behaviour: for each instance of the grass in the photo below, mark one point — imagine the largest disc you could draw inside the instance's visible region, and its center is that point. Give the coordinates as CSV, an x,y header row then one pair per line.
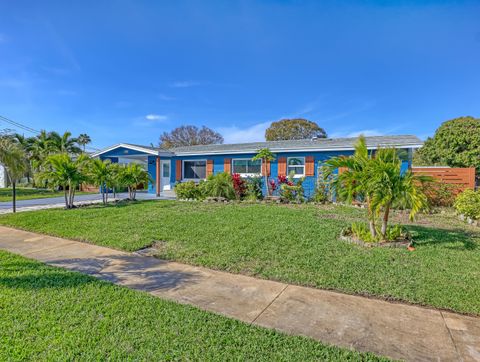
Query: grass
x,y
295,244
31,193
53,314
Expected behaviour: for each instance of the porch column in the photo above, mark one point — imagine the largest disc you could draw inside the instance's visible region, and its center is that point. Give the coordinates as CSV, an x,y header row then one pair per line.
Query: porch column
x,y
157,185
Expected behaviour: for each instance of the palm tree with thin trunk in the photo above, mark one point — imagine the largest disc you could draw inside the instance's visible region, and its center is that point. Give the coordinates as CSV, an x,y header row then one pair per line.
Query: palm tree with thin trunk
x,y
13,158
64,143
83,140
60,170
266,156
100,174
133,175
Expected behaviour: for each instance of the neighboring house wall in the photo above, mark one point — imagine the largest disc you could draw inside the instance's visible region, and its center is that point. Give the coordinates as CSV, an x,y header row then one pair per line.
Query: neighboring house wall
x,y
3,177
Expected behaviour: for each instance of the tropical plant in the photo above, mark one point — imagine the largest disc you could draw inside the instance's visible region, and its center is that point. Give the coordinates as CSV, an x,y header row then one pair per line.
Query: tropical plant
x,y
294,129
291,191
132,175
83,140
101,174
379,181
188,190
64,143
13,159
116,178
239,185
219,185
61,170
254,188
467,203
266,156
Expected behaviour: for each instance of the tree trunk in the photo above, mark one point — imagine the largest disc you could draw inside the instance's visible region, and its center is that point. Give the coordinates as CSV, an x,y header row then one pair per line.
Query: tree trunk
x,y
14,194
371,220
66,197
114,193
385,220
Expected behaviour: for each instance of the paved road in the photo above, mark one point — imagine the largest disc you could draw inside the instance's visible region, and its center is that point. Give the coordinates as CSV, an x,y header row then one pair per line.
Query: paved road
x,y
61,200
396,330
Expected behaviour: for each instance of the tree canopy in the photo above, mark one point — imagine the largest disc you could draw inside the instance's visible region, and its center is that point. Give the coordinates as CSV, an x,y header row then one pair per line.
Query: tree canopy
x,y
456,143
190,136
294,129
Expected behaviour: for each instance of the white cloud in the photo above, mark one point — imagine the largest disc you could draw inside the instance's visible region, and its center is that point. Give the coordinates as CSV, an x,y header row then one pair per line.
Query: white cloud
x,y
156,117
184,84
235,134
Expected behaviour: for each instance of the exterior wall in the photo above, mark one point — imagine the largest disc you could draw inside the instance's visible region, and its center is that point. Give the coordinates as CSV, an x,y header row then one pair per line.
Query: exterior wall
x,y
309,183
3,177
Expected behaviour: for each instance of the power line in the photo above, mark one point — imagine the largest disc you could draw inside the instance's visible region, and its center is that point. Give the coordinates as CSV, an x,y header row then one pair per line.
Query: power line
x,y
32,130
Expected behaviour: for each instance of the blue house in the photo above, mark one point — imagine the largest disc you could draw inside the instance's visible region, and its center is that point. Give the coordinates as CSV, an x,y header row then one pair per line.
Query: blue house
x,y
303,158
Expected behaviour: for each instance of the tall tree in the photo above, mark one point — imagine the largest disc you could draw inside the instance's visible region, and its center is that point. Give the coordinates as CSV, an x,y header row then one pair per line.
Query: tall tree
x,y
64,143
190,136
294,129
83,140
100,173
456,143
13,158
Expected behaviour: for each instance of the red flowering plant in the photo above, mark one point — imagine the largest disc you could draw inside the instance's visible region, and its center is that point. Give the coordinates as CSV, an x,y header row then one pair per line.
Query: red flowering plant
x,y
282,179
273,185
239,185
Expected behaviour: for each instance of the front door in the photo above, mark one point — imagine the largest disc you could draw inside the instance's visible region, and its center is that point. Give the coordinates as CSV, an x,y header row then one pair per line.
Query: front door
x,y
165,175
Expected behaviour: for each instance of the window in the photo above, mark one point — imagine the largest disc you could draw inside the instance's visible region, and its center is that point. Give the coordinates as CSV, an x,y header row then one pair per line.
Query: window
x,y
194,170
246,167
296,165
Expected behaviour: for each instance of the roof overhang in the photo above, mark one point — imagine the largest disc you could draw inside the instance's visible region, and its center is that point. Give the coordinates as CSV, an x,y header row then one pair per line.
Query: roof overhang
x,y
288,150
145,150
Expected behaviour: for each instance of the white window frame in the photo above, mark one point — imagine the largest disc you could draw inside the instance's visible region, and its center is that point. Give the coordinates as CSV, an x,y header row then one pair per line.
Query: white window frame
x,y
246,174
288,166
193,179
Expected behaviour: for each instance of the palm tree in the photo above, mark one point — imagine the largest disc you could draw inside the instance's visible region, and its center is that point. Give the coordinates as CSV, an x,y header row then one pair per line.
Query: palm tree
x,y
266,156
63,171
100,173
39,151
392,186
378,180
13,158
83,140
26,143
355,181
63,143
133,175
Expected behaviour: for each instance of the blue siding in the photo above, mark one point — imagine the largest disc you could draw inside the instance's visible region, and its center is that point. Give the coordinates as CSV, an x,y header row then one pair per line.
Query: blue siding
x,y
218,165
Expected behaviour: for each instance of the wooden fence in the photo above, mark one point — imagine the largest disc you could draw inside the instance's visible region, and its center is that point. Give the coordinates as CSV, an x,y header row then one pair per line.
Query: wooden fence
x,y
460,178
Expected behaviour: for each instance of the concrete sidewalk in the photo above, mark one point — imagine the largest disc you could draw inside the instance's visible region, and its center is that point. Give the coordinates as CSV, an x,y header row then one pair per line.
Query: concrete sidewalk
x,y
395,330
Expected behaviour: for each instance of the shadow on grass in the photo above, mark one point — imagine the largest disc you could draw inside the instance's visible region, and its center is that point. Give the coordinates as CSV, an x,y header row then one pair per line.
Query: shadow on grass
x,y
457,239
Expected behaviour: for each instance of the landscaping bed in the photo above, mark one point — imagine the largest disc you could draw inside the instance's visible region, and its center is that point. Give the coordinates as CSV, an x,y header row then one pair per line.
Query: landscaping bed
x,y
298,244
50,313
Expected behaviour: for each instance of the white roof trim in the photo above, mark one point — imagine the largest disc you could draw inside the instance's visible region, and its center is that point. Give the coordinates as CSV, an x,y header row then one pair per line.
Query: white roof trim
x,y
134,148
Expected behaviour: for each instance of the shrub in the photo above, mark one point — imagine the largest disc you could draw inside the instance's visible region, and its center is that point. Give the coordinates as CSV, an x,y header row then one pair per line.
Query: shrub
x,y
468,203
323,187
188,190
361,231
219,185
290,192
239,185
254,189
439,193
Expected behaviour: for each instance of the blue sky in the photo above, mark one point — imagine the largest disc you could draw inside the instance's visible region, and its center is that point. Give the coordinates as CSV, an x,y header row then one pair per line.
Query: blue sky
x,y
126,71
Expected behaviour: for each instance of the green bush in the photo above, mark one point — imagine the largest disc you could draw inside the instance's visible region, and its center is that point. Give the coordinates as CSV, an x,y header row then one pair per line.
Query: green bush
x,y
219,185
188,190
468,203
361,231
439,193
254,189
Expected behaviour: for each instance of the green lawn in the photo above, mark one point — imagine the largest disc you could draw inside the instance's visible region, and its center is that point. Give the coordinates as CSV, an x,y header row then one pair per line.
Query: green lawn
x,y
30,193
52,314
296,244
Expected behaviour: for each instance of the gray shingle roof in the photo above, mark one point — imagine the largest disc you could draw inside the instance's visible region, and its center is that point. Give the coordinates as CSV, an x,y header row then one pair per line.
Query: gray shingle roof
x,y
320,144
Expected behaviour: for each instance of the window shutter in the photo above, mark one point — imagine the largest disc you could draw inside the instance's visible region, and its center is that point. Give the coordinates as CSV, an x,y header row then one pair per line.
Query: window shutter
x,y
209,167
227,165
282,166
309,166
178,170
342,170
